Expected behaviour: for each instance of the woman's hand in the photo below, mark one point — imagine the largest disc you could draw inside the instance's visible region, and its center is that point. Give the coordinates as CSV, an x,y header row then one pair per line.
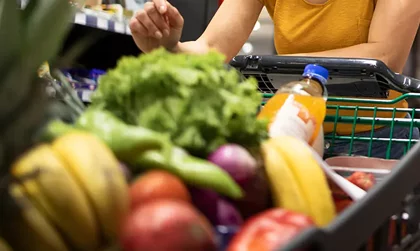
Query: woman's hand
x,y
158,24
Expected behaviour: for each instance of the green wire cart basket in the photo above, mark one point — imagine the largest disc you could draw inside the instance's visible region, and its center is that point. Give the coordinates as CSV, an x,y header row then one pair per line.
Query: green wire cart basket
x,y
393,205
374,106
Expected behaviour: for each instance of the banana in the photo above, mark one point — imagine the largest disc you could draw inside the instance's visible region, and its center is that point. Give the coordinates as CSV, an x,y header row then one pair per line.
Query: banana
x,y
310,177
4,246
285,189
97,171
24,227
50,186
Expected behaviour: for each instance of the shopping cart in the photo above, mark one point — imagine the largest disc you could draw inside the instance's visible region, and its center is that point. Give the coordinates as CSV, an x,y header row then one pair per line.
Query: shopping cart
x,y
393,205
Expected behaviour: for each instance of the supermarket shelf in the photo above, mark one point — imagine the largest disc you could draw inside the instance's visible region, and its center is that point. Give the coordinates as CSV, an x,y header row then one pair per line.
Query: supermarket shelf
x,y
95,19
107,48
114,36
113,39
103,23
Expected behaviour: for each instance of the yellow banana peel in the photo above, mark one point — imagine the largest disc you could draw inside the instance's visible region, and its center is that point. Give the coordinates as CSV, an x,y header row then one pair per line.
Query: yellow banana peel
x,y
97,170
306,174
51,187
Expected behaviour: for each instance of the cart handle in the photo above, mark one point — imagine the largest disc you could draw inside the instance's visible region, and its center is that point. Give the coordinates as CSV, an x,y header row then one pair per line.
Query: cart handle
x,y
342,67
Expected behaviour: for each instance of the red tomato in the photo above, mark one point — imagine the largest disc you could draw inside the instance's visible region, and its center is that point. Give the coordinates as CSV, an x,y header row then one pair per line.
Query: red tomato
x,y
363,180
162,225
269,230
157,184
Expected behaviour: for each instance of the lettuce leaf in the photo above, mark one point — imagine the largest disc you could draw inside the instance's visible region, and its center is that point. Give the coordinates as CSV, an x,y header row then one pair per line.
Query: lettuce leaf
x,y
196,99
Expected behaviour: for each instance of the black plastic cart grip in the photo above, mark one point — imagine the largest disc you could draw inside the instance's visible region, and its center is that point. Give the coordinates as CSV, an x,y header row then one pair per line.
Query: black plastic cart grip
x,y
360,69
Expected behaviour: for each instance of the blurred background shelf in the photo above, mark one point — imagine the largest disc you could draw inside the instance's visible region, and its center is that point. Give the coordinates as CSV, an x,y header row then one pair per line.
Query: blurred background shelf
x,y
105,51
117,26
115,38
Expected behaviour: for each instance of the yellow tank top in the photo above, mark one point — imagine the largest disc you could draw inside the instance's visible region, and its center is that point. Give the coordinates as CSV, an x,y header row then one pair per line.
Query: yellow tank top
x,y
303,27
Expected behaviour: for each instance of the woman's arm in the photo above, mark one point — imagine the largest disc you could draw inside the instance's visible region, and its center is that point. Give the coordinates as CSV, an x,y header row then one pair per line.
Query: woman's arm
x,y
228,30
160,24
391,35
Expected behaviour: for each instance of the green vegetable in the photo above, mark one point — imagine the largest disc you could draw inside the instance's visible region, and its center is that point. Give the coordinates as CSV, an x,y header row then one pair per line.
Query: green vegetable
x,y
194,98
144,148
194,171
126,141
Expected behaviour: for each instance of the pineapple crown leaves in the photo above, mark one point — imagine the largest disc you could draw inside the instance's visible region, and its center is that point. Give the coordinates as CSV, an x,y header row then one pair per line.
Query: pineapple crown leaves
x,y
29,38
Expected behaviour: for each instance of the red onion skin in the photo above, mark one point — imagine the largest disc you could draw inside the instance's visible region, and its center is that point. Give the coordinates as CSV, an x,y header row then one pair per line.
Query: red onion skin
x,y
257,196
217,210
206,201
236,161
227,214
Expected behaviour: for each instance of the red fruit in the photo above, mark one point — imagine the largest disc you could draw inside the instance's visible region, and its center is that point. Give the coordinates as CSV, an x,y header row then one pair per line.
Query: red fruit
x,y
167,225
341,204
270,230
336,191
363,180
155,185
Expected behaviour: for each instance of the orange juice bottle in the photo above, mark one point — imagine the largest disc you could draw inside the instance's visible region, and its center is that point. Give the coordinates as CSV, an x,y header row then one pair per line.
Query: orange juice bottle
x,y
298,108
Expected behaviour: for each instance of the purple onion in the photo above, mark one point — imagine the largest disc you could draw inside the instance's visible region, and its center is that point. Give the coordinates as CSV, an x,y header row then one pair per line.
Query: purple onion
x,y
217,210
206,201
236,161
227,214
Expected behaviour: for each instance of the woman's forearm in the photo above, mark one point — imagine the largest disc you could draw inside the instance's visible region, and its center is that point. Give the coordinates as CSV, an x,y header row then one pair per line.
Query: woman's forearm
x,y
199,46
228,30
194,47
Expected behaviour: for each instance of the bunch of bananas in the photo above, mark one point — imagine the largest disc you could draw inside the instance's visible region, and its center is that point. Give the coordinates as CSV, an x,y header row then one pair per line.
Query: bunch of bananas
x,y
68,195
297,181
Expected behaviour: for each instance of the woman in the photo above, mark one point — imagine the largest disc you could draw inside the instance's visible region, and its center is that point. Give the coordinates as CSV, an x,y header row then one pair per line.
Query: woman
x,y
380,29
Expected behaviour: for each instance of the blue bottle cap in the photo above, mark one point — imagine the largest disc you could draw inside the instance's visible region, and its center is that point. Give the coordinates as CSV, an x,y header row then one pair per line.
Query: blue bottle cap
x,y
317,72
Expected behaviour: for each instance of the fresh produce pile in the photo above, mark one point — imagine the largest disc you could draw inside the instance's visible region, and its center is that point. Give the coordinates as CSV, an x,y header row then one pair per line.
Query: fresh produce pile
x,y
169,156
67,195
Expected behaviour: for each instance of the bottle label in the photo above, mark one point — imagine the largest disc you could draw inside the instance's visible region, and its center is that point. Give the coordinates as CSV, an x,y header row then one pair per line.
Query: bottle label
x,y
293,119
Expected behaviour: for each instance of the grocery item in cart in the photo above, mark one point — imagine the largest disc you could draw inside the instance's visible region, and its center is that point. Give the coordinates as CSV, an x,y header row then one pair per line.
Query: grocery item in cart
x,y
195,99
66,195
297,181
181,225
270,230
298,109
157,184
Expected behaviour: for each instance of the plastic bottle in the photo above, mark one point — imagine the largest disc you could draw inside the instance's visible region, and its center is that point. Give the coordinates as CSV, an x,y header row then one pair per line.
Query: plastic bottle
x,y
298,108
